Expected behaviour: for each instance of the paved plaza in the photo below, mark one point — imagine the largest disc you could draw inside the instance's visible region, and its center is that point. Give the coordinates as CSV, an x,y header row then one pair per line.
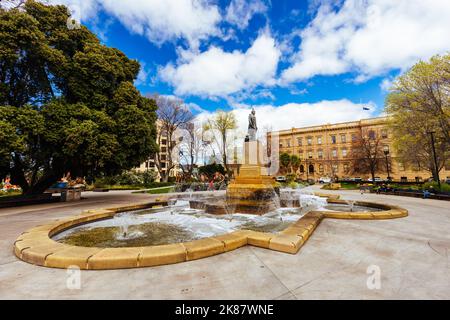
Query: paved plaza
x,y
412,254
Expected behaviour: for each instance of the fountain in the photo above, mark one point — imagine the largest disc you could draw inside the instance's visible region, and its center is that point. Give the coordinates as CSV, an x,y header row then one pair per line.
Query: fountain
x,y
253,212
252,191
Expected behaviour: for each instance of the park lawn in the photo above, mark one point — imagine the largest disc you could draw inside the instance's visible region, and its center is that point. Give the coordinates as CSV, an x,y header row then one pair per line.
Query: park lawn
x,y
349,186
161,190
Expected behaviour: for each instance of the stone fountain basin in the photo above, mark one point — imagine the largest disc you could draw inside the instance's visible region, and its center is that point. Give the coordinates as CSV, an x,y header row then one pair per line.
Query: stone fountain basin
x,y
37,247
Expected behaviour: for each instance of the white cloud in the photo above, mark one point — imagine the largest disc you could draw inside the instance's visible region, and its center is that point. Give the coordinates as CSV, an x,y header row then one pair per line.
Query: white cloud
x,y
81,10
158,20
143,75
386,84
294,115
217,73
371,37
240,12
165,20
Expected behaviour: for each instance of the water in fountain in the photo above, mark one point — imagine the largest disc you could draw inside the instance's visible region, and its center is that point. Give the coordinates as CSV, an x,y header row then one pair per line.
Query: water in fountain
x,y
189,191
124,221
277,203
230,208
351,203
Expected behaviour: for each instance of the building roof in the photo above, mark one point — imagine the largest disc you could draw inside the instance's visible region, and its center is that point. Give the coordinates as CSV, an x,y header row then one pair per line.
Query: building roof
x,y
335,126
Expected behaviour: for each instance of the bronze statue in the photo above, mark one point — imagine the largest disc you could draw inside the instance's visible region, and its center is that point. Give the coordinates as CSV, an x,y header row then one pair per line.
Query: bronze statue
x,y
252,127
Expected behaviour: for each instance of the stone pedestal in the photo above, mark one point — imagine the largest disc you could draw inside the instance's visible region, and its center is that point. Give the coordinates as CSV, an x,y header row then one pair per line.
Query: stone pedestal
x,y
251,191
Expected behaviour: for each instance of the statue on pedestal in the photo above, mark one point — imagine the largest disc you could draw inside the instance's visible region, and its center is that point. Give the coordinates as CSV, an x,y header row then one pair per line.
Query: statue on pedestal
x,y
252,127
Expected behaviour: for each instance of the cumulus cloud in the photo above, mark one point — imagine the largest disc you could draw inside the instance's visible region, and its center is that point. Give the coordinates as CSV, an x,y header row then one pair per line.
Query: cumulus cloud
x,y
370,37
164,20
217,73
240,12
157,20
294,115
82,10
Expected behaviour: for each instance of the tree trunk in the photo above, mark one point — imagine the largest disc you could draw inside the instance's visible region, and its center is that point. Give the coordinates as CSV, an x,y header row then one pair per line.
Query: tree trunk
x,y
224,152
43,184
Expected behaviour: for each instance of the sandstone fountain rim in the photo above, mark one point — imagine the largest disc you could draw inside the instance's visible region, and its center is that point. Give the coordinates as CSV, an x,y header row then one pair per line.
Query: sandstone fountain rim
x,y
36,245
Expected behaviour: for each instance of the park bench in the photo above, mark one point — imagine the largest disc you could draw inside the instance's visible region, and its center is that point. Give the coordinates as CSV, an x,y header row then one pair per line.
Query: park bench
x,y
67,194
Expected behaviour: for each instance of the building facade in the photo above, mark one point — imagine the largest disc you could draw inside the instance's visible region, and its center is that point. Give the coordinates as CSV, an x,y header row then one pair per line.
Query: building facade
x,y
328,151
150,163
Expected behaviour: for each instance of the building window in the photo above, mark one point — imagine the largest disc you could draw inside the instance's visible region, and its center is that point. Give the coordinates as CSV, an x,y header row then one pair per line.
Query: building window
x,y
309,141
333,139
418,179
354,137
288,143
299,141
335,168
163,157
319,140
310,155
164,141
163,164
344,152
311,168
320,154
384,134
372,135
300,154
334,153
343,138
346,167
302,169
401,166
404,179
163,149
321,168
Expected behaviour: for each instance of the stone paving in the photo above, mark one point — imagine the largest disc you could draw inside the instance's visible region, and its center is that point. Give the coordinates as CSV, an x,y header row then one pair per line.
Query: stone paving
x,y
412,254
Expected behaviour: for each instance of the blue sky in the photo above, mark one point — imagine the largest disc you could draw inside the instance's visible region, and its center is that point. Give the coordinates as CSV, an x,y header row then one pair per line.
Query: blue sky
x,y
323,58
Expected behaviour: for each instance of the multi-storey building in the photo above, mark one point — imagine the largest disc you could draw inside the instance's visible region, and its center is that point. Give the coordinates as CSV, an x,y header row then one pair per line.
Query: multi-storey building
x,y
163,156
327,151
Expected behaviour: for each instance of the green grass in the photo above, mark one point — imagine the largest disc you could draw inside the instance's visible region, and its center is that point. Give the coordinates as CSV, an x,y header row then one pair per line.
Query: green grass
x,y
128,186
349,186
161,190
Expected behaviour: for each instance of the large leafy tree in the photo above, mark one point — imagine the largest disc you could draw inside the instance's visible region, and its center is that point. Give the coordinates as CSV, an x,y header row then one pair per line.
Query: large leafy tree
x,y
67,102
419,103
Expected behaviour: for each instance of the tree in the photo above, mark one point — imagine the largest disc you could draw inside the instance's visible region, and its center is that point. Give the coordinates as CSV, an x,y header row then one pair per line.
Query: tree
x,y
67,102
221,124
285,162
367,153
295,163
419,103
211,169
190,147
332,162
173,114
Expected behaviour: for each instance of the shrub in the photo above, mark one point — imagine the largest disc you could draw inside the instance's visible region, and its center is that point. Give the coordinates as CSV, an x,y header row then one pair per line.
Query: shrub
x,y
445,187
293,185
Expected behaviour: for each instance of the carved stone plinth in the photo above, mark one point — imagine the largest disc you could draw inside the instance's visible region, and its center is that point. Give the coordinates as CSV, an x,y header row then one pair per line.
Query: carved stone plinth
x,y
251,192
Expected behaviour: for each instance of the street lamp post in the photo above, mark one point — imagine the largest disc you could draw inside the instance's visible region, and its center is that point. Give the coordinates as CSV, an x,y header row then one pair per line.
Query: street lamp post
x,y
431,133
386,154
